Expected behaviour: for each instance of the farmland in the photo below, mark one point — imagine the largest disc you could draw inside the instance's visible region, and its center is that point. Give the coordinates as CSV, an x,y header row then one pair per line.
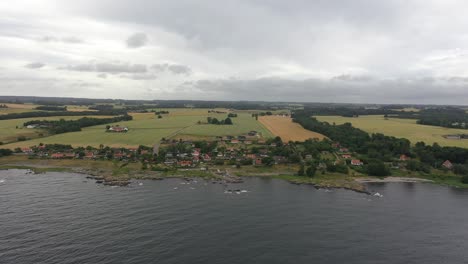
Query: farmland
x,y
147,129
287,130
403,128
13,128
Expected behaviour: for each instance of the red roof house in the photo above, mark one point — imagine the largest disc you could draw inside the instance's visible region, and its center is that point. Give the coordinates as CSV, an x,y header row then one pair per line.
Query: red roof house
x,y
356,162
403,157
447,164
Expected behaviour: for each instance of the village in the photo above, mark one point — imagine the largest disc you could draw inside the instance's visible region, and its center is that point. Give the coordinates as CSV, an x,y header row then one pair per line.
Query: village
x,y
236,151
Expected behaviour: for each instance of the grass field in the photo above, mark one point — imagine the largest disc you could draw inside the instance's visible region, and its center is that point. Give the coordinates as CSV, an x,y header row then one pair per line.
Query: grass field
x,y
146,129
9,131
404,128
287,130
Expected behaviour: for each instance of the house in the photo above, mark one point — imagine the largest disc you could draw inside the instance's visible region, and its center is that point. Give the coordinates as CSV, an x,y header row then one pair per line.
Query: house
x,y
308,157
252,133
196,159
57,155
89,155
248,142
184,163
280,159
196,152
170,162
69,155
27,150
273,145
346,156
356,162
144,152
31,126
251,156
118,155
344,150
117,129
403,157
335,145
257,162
234,141
206,157
447,164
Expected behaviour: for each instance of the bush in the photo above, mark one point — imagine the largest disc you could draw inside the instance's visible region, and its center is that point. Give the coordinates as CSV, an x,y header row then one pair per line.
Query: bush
x,y
464,179
21,138
310,172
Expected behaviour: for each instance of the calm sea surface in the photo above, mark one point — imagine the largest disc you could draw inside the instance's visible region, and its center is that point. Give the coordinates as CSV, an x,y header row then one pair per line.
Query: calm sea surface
x,y
64,218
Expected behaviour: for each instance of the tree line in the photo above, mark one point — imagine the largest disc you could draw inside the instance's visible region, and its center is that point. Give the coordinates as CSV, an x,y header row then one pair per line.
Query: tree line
x,y
64,126
61,113
51,108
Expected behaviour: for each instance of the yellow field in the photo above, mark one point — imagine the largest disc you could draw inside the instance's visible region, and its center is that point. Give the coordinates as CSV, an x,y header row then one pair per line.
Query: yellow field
x,y
287,130
403,128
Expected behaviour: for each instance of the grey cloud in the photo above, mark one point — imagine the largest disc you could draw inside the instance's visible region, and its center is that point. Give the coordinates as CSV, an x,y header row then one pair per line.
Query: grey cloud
x,y
173,68
111,68
34,65
137,40
316,90
139,76
102,75
70,40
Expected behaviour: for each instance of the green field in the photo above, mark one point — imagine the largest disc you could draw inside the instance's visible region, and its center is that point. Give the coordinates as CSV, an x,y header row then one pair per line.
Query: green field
x,y
403,128
9,131
146,129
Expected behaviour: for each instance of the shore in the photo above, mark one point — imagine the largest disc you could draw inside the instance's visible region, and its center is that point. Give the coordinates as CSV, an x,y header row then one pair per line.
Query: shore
x,y
391,179
120,174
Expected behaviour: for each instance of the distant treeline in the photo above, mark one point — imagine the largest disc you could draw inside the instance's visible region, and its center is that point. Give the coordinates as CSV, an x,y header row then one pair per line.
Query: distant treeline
x,y
377,148
5,152
51,108
66,113
3,106
63,126
106,107
451,117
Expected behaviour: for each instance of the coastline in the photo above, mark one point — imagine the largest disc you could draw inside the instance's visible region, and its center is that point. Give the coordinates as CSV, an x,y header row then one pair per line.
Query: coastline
x,y
118,174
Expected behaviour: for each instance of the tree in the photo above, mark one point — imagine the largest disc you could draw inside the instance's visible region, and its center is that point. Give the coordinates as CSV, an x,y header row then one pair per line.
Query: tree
x,y
464,179
310,172
377,168
228,121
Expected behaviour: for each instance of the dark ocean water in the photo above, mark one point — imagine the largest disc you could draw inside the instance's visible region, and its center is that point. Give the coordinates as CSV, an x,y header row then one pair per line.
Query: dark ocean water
x,y
62,218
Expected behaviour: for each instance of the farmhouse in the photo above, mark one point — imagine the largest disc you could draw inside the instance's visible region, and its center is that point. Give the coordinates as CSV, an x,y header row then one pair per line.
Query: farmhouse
x,y
346,156
117,129
356,162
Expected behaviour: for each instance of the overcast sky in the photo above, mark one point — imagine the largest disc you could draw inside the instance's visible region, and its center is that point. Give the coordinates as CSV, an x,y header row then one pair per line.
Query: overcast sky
x,y
359,51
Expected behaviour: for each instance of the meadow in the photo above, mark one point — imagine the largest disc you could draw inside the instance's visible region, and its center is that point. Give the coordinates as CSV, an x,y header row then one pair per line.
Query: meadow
x,y
287,130
403,128
11,129
147,129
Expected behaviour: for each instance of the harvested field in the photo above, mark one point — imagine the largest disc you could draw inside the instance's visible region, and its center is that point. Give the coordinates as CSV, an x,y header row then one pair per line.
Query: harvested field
x,y
287,130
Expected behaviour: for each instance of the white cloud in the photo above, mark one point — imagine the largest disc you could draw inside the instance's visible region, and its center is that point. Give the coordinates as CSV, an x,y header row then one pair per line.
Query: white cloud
x,y
337,50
